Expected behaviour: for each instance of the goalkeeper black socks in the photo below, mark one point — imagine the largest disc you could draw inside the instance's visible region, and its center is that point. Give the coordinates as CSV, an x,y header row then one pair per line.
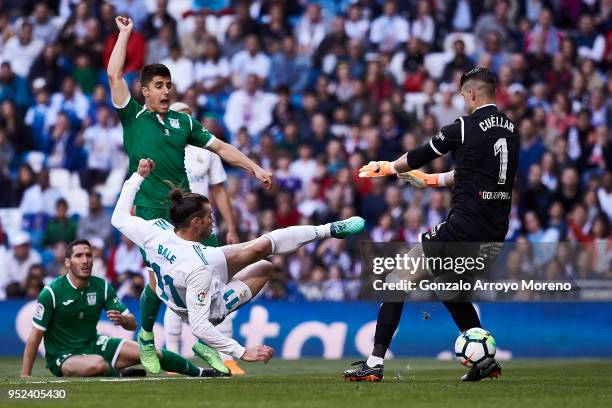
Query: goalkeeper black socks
x,y
389,315
464,314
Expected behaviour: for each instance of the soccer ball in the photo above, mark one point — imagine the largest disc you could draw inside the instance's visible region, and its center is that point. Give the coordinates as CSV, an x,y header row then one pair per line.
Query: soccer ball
x,y
475,346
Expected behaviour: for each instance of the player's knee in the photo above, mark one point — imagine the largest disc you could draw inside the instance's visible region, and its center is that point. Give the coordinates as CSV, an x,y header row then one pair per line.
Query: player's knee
x,y
261,247
266,268
99,367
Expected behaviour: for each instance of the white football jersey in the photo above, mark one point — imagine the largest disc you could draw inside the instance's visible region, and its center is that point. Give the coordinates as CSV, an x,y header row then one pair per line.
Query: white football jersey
x,y
204,169
190,277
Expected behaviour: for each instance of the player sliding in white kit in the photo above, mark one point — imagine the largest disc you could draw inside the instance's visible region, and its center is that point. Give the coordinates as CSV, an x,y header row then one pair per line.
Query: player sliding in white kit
x,y
186,272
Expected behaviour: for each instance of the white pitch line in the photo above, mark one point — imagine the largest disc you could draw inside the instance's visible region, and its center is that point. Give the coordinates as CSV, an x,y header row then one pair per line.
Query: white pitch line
x,y
85,380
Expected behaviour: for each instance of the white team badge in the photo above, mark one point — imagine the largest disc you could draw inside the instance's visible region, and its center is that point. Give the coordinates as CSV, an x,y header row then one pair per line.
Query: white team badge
x,y
39,312
175,123
91,299
201,296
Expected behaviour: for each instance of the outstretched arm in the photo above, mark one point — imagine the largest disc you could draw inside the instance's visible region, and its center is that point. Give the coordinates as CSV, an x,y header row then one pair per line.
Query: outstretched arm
x,y
419,179
135,228
222,200
29,353
446,140
236,158
119,88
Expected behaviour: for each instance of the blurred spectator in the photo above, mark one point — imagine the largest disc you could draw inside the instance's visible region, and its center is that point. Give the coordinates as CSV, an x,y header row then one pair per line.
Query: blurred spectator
x,y
249,107
61,227
289,68
103,143
310,30
40,197
45,26
545,28
16,265
158,47
181,68
22,49
34,282
250,61
135,9
97,223
193,42
356,26
390,30
13,87
124,262
99,262
158,19
57,265
46,69
136,47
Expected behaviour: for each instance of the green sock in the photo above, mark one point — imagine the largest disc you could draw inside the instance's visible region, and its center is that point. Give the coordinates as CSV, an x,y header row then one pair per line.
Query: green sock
x,y
173,362
112,372
149,308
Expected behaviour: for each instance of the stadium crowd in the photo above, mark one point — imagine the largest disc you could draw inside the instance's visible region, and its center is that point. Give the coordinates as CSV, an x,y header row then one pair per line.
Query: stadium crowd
x,y
311,90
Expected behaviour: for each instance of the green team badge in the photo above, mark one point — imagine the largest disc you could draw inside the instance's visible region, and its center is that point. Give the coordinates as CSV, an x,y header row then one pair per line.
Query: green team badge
x,y
91,299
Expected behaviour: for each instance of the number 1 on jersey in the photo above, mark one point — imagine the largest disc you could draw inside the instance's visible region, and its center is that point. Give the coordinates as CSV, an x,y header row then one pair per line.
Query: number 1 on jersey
x,y
501,147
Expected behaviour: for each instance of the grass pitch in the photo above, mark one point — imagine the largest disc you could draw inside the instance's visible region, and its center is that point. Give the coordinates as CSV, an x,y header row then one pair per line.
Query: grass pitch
x,y
317,383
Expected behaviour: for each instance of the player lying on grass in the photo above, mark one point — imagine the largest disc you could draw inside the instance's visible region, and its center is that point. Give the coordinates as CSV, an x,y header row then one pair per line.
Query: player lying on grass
x,y
66,316
152,130
186,272
485,147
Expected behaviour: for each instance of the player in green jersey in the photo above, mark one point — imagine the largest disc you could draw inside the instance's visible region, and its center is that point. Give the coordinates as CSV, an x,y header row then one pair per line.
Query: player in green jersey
x,y
66,316
155,132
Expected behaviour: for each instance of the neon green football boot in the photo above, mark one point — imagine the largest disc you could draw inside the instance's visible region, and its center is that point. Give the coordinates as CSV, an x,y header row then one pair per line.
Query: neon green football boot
x,y
211,356
345,228
147,351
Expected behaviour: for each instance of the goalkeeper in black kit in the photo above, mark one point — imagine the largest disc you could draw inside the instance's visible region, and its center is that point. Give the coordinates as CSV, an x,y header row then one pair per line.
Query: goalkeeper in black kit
x,y
485,149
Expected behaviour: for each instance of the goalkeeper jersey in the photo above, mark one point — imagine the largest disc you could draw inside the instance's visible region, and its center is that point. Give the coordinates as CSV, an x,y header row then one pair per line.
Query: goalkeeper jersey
x,y
183,269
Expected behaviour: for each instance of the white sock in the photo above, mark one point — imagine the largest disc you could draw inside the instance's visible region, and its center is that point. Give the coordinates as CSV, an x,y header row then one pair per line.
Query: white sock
x,y
173,326
373,361
287,240
226,329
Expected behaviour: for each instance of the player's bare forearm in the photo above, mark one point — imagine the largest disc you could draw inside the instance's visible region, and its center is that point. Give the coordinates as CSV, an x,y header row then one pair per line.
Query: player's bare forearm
x,y
114,70
127,321
29,353
236,158
222,200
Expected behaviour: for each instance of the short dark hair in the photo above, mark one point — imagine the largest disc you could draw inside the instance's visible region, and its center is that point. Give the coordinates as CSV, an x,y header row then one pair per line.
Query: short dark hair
x,y
483,75
70,247
152,70
185,207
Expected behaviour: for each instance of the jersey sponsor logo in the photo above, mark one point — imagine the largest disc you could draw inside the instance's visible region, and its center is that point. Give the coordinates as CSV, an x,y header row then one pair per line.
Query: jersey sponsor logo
x,y
175,123
495,195
200,297
91,299
39,312
67,302
81,316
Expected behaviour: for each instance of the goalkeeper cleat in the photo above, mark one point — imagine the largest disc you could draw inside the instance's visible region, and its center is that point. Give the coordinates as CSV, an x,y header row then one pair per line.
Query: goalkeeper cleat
x,y
211,356
363,372
234,368
132,372
148,353
211,372
493,370
345,228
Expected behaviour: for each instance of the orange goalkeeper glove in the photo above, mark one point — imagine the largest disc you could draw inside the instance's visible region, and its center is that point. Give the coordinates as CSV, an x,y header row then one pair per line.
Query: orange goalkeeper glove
x,y
377,169
422,180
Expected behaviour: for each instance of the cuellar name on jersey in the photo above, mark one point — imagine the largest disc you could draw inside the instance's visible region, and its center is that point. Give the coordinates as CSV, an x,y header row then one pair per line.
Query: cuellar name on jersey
x,y
496,121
